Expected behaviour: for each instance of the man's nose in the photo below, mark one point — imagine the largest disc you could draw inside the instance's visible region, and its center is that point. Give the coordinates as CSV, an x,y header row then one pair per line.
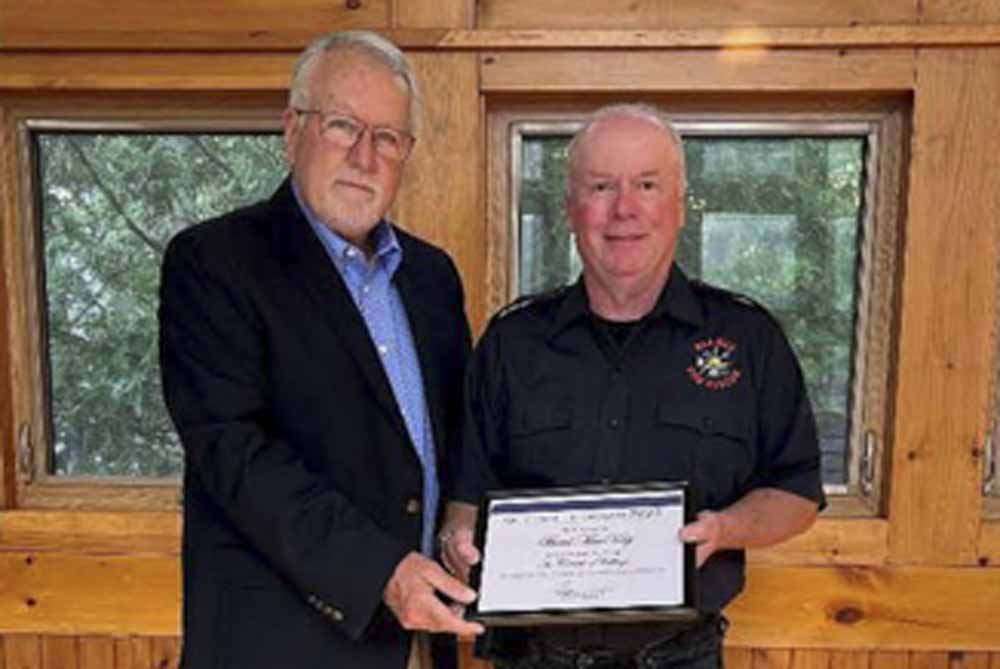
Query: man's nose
x,y
624,204
362,154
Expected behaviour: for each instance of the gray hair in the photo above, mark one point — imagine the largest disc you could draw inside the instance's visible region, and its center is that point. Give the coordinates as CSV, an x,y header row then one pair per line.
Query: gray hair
x,y
371,45
640,110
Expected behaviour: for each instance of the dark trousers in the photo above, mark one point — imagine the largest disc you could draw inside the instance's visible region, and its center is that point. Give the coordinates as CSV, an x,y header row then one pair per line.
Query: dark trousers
x,y
696,648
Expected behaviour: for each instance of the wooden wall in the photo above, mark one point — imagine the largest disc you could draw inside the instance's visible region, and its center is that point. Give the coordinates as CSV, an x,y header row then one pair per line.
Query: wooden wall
x,y
916,587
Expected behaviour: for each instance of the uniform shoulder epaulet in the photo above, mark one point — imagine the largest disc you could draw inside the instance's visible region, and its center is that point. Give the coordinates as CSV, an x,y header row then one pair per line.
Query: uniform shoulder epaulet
x,y
529,300
732,296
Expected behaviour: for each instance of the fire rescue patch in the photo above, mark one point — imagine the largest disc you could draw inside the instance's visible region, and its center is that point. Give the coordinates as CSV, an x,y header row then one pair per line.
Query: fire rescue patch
x,y
713,365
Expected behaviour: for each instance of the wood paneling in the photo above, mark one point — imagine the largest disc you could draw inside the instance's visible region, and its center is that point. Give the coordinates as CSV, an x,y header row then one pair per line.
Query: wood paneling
x,y
946,350
960,11
772,659
453,39
442,194
60,593
818,608
8,213
890,660
929,661
867,608
653,14
438,14
832,541
989,544
810,659
144,71
59,652
128,532
22,651
249,17
96,652
683,70
856,659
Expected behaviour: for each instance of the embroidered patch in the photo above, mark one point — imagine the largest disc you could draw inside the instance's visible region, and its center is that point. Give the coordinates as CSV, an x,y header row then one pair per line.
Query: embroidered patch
x,y
713,365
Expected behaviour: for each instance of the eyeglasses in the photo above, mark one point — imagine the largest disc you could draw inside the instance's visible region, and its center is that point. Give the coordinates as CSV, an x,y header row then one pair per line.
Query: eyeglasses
x,y
345,131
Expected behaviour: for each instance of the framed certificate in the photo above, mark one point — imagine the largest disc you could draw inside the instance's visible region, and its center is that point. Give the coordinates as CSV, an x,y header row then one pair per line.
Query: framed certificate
x,y
595,553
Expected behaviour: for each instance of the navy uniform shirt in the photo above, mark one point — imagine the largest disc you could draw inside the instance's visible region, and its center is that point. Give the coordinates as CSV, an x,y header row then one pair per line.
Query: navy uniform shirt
x,y
705,388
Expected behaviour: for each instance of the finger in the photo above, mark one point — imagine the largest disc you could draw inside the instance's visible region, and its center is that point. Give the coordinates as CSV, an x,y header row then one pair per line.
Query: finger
x,y
439,617
450,586
468,552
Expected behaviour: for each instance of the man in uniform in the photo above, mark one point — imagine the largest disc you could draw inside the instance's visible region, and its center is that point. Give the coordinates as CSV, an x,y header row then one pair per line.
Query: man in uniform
x,y
637,373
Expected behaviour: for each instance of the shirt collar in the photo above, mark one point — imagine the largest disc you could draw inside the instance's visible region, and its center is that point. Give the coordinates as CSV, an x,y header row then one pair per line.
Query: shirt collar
x,y
676,300
388,252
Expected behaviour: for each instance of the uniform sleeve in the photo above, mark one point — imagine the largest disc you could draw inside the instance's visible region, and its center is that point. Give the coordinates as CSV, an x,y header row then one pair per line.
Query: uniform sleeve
x,y
212,357
473,466
789,457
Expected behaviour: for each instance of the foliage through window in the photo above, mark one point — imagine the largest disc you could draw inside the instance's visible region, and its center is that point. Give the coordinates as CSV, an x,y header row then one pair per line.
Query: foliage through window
x,y
109,202
777,217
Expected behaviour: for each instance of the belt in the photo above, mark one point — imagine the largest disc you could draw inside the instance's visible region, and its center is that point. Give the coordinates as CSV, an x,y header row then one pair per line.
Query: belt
x,y
618,636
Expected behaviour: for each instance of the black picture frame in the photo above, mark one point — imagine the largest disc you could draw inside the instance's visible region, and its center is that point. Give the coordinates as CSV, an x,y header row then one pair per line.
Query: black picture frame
x,y
685,611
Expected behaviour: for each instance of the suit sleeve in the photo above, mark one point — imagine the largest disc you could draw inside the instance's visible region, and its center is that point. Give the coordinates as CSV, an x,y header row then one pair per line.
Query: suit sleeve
x,y
212,355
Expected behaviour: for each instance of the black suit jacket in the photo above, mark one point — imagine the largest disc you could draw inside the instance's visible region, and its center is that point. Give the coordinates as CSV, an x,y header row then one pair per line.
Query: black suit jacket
x,y
302,488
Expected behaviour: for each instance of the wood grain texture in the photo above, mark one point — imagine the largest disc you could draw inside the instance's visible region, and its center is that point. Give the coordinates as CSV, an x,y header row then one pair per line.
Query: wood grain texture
x,y
248,17
963,660
652,14
989,543
59,652
438,14
96,652
860,608
442,194
145,71
22,651
696,70
738,658
818,608
858,659
960,11
890,660
810,659
51,42
59,593
765,658
8,212
929,661
946,350
132,532
832,541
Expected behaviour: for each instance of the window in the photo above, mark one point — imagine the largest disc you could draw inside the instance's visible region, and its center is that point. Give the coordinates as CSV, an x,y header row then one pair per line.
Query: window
x,y
797,214
103,198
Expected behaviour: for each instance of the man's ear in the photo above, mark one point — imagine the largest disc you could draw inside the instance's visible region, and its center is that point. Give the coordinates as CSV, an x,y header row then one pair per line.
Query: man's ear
x,y
291,129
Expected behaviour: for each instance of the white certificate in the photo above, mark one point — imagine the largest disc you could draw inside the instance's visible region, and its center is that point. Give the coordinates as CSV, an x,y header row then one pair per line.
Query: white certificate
x,y
607,550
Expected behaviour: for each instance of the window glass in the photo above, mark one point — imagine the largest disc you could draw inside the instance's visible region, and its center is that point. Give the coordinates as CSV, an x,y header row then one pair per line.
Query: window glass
x,y
776,218
108,203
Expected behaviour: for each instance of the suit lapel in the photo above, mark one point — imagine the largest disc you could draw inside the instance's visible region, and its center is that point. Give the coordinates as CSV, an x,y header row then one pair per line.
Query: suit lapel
x,y
311,267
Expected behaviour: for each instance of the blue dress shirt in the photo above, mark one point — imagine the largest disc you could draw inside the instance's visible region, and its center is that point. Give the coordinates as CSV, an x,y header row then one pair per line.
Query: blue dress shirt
x,y
370,283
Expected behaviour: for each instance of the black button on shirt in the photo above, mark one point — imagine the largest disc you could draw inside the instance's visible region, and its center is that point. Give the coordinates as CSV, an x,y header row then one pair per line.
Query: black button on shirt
x,y
705,389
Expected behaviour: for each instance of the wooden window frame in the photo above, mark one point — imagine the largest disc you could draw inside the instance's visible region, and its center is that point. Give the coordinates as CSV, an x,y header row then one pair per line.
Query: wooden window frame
x,y
28,453
880,251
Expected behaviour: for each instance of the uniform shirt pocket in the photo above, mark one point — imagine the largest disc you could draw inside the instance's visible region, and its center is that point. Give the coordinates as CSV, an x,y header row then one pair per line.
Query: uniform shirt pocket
x,y
717,444
540,441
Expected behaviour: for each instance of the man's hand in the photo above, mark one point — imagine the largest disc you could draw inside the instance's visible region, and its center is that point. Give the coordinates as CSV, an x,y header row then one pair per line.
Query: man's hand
x,y
458,552
411,594
706,532
763,517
